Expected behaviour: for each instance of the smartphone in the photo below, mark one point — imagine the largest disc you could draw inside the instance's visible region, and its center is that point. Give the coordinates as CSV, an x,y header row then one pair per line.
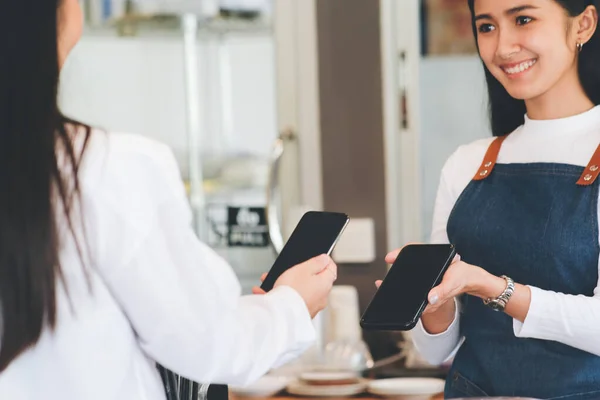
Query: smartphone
x,y
317,233
400,300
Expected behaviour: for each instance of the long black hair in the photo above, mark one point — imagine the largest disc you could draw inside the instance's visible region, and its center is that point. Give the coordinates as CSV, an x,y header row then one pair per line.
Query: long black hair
x,y
35,192
506,112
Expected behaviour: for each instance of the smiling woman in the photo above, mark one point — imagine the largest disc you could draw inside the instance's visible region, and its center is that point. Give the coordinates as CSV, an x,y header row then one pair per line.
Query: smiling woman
x,y
511,41
521,308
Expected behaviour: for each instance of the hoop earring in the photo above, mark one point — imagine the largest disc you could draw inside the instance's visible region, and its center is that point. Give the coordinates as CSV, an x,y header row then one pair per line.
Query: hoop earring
x,y
579,47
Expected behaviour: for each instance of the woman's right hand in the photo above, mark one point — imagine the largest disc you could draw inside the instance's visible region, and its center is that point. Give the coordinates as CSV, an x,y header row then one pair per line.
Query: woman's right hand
x,y
312,279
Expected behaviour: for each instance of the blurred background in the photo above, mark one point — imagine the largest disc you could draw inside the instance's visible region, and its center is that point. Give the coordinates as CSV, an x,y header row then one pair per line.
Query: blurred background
x,y
276,107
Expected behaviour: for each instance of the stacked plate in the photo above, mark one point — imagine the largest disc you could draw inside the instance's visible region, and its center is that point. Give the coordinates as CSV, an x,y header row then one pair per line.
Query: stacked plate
x,y
328,384
266,386
407,388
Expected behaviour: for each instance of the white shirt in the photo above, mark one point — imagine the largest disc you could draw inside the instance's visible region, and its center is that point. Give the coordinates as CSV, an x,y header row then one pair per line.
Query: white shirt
x,y
155,294
572,320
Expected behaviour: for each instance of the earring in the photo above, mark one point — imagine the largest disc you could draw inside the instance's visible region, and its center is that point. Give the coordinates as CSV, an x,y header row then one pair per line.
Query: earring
x,y
580,46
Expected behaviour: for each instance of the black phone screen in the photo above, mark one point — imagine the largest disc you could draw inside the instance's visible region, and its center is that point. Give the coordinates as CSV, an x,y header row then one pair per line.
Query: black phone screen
x,y
403,293
316,234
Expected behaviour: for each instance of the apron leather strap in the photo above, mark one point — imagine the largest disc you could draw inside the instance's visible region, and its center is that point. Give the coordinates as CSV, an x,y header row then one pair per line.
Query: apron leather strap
x,y
489,161
591,172
588,177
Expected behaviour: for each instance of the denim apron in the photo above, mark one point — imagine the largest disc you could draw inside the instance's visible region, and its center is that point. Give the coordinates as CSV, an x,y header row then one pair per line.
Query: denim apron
x,y
536,223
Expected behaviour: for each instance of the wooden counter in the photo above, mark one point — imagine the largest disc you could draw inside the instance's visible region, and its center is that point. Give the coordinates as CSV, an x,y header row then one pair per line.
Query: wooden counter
x,y
358,397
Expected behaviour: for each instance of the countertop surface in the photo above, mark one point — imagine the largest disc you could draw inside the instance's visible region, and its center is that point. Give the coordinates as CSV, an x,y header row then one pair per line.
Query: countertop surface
x,y
287,397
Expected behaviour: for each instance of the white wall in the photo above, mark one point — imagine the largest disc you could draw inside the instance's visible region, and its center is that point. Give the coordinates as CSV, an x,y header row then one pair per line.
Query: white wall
x,y
453,111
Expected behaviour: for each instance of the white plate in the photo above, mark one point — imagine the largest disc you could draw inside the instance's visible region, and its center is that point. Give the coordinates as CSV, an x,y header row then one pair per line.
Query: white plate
x,y
332,376
302,389
407,387
266,386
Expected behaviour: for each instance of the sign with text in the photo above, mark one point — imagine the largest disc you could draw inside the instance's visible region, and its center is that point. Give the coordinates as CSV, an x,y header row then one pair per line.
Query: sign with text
x,y
247,227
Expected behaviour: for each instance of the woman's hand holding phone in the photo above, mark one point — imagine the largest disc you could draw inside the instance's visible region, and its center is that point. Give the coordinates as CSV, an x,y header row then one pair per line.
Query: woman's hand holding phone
x,y
460,278
312,279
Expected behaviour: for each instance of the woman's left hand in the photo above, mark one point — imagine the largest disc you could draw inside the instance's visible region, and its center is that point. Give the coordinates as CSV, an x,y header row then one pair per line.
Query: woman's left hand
x,y
463,278
460,278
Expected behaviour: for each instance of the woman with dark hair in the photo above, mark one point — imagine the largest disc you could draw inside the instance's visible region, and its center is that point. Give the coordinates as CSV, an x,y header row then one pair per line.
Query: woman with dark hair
x,y
101,275
520,309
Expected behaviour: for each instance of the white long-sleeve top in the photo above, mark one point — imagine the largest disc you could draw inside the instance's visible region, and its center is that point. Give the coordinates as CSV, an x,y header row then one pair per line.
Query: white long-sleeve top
x,y
155,294
572,320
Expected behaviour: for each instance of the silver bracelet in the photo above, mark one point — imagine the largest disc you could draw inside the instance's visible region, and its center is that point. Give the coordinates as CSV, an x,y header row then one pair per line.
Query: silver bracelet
x,y
500,302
